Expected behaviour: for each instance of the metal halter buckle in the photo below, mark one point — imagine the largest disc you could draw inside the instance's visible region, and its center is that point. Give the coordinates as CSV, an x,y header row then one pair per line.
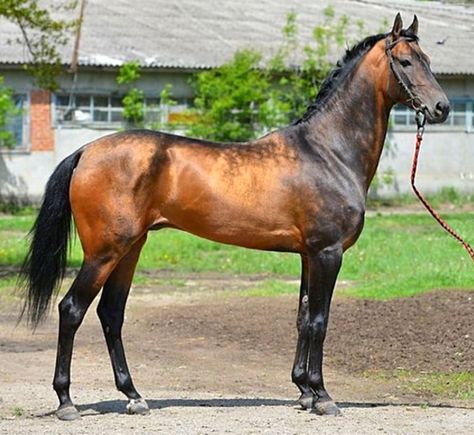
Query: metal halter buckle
x,y
420,119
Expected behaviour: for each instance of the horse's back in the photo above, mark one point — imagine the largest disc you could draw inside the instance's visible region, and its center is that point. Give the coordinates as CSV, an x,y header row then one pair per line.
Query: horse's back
x,y
232,193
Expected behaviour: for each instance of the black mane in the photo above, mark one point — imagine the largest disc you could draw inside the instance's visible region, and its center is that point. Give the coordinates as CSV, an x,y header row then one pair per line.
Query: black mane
x,y
342,69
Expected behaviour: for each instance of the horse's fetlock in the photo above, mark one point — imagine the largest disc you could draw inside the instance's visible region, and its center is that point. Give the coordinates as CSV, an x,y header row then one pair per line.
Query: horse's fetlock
x,y
124,384
315,381
61,384
298,376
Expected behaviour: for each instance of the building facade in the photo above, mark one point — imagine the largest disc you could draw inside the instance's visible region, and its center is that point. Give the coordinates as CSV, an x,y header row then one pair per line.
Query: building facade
x,y
88,105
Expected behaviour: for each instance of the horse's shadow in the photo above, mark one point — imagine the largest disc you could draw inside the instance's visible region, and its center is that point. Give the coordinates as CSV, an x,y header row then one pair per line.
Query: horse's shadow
x,y
118,406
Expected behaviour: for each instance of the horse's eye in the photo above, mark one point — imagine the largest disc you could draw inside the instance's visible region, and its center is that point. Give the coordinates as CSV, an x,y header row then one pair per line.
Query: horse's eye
x,y
405,62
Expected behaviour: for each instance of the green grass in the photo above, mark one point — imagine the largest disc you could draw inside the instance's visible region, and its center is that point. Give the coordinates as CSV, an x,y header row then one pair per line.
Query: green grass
x,y
458,385
398,255
16,223
8,282
405,255
271,287
446,196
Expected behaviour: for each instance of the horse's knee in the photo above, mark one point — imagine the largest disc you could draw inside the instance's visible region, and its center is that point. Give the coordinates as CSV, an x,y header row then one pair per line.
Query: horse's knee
x,y
318,328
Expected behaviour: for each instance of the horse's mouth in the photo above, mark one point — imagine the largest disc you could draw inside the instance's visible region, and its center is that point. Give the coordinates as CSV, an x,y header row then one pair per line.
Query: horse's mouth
x,y
436,116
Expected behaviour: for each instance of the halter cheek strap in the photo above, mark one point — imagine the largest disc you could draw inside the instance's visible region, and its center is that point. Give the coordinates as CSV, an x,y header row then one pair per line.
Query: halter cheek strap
x,y
402,79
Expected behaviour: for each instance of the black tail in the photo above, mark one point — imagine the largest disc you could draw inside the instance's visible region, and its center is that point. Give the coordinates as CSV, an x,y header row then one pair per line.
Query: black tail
x,y
45,263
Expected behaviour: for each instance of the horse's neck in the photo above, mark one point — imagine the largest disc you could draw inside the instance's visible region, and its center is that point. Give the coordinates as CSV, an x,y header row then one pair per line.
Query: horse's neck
x,y
354,124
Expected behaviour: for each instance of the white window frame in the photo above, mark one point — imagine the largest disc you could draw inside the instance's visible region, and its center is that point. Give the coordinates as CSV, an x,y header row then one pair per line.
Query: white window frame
x,y
154,111
409,115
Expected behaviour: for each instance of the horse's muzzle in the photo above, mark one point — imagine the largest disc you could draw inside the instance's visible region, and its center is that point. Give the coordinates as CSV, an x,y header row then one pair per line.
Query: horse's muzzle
x,y
439,113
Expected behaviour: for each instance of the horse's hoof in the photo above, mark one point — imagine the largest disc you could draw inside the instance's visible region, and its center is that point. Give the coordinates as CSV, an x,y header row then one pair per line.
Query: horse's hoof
x,y
137,406
67,413
326,407
306,400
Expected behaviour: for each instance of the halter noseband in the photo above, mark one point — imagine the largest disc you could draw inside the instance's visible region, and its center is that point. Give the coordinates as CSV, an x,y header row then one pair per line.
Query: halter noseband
x,y
402,78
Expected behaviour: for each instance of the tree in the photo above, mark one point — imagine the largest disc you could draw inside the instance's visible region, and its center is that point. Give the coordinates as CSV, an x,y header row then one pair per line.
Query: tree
x,y
133,101
42,34
247,97
228,96
134,110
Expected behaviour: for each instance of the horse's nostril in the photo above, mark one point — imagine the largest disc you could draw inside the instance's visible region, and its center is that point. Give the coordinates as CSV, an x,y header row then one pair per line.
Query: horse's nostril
x,y
442,108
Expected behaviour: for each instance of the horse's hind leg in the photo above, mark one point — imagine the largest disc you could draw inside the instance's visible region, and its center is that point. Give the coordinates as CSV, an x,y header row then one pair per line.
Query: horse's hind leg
x,y
72,309
111,313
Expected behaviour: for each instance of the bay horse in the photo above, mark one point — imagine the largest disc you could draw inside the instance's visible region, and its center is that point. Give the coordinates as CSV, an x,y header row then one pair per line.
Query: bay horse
x,y
301,189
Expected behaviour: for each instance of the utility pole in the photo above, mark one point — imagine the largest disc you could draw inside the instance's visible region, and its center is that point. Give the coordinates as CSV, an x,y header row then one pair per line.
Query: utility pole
x,y
75,53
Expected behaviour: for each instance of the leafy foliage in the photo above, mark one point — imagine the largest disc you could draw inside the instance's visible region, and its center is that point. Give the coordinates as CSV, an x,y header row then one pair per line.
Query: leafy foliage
x,y
300,84
7,112
133,107
166,102
228,96
42,35
129,72
133,101
247,97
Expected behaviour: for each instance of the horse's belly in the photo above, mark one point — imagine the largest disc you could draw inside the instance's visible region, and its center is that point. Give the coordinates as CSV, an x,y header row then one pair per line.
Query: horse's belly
x,y
245,226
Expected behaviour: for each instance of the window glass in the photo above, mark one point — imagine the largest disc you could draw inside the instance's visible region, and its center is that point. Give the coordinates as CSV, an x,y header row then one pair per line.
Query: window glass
x,y
152,101
101,101
105,109
116,116
101,115
62,100
17,125
17,122
459,118
459,115
83,101
116,101
458,107
400,119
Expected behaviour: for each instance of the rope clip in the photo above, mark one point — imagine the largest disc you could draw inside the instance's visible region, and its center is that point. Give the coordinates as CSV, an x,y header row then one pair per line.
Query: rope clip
x,y
420,119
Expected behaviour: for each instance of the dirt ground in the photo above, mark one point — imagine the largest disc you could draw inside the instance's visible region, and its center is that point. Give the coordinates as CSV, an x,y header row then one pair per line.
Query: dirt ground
x,y
213,361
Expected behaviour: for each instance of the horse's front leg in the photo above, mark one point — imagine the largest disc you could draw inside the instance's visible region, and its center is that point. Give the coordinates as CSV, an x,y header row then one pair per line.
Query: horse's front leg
x,y
323,267
299,374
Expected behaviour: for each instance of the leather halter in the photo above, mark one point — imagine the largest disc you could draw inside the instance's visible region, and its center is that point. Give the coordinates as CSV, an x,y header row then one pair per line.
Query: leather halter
x,y
401,77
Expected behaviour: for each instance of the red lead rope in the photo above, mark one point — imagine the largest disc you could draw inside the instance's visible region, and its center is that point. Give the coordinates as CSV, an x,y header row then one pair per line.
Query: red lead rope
x,y
419,138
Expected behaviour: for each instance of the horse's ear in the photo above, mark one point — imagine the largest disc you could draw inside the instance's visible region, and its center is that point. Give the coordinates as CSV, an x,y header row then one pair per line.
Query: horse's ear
x,y
397,26
414,26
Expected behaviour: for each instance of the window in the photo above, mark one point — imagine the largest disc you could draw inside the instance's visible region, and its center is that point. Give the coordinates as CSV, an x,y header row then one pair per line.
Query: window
x,y
19,124
87,109
105,110
460,116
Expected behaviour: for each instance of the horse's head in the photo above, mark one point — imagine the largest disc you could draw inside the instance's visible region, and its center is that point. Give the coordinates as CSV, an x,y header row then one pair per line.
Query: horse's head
x,y
412,82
